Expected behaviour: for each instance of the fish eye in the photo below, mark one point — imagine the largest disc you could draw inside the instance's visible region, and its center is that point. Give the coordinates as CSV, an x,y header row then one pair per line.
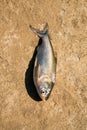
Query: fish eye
x,y
45,89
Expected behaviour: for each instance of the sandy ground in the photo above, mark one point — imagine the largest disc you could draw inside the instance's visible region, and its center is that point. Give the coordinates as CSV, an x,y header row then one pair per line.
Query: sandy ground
x,y
20,106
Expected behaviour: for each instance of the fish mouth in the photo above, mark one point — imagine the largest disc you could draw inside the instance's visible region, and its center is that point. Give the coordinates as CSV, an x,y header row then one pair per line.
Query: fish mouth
x,y
44,91
44,96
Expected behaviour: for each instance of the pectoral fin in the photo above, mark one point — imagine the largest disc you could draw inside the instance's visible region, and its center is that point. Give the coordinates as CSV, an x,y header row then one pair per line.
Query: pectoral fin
x,y
35,64
38,71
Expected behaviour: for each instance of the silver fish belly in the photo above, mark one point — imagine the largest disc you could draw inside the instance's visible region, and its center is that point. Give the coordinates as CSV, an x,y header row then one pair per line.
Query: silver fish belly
x,y
44,72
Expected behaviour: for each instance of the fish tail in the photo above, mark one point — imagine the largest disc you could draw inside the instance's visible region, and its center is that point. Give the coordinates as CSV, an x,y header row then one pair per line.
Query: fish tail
x,y
40,33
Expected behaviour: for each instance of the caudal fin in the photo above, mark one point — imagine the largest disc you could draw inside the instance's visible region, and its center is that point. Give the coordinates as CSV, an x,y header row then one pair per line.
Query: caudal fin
x,y
40,33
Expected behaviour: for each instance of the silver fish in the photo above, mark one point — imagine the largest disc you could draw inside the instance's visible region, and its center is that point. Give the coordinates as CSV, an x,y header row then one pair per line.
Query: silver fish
x,y
44,73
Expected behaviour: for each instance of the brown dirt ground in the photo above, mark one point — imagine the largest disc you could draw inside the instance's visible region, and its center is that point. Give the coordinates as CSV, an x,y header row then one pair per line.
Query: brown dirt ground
x,y
20,108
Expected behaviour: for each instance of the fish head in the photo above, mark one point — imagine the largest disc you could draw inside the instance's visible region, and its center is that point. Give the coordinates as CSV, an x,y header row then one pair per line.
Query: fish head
x,y
45,89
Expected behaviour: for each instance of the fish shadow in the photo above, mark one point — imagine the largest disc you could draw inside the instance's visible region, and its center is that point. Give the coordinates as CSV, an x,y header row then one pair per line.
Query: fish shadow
x,y
29,83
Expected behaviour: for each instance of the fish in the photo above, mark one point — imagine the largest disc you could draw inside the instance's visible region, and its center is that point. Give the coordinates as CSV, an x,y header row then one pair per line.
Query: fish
x,y
44,72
